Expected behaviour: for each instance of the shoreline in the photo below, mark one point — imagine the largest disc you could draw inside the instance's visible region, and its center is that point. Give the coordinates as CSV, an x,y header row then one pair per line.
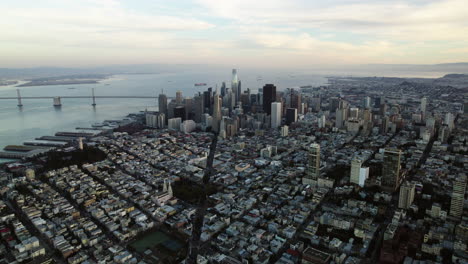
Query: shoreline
x,y
29,84
105,126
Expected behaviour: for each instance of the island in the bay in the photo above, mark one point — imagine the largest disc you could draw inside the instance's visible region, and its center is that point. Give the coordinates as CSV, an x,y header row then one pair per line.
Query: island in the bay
x,y
65,80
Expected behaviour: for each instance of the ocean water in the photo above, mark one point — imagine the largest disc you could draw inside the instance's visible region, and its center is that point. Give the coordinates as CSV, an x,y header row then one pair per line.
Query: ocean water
x,y
38,117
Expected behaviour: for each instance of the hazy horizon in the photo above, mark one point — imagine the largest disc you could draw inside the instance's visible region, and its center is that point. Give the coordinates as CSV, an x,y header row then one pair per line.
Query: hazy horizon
x,y
238,34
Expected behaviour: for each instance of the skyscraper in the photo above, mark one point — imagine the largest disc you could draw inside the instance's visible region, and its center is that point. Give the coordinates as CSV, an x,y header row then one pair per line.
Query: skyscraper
x,y
269,96
216,113
179,111
355,171
315,103
275,114
189,113
458,196
284,131
353,112
223,89
207,101
366,102
198,108
449,120
179,98
385,125
239,90
377,101
291,116
406,195
162,104
295,100
313,166
235,84
423,105
334,103
391,169
341,115
322,121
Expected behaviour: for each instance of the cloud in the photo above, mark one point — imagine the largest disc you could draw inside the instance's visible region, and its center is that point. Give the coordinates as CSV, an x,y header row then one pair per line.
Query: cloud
x,y
434,20
261,32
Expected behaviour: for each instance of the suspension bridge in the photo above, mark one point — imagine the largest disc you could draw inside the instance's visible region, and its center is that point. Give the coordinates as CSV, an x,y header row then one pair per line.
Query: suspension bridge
x,y
57,100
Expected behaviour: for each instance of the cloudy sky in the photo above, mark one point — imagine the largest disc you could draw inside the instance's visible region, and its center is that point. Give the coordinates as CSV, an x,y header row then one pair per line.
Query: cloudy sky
x,y
232,32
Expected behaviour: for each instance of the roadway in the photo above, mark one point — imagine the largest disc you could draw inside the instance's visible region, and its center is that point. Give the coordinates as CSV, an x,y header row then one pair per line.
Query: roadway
x,y
77,97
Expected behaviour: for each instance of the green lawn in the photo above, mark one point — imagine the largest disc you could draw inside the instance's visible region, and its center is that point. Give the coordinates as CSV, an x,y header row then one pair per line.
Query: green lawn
x,y
149,241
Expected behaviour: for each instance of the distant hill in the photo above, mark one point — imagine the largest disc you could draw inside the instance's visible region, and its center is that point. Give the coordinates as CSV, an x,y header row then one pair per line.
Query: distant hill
x,y
361,70
41,72
456,76
461,67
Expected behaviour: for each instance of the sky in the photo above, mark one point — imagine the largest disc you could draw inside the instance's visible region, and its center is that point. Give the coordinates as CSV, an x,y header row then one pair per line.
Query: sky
x,y
257,33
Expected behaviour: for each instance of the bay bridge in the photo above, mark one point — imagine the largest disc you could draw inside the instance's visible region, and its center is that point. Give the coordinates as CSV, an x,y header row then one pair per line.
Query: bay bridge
x,y
57,100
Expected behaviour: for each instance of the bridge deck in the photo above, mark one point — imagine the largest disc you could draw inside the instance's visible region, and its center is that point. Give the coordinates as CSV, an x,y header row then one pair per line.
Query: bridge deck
x,y
67,97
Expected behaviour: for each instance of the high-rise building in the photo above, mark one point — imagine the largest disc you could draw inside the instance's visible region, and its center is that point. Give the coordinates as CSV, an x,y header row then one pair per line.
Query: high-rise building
x,y
322,121
313,164
179,111
206,121
207,96
443,134
170,109
284,131
156,120
198,108
296,100
449,120
216,113
174,123
367,115
162,103
260,96
235,84
223,89
269,96
366,102
341,115
355,171
391,169
245,100
383,109
291,116
187,126
458,196
406,195
354,112
385,125
179,97
333,103
377,101
239,90
423,105
363,176
253,99
189,113
315,104
358,174
276,114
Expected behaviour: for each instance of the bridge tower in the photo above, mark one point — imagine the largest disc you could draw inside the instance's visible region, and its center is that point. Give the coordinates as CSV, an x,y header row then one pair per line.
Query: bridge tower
x,y
57,101
94,98
20,104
